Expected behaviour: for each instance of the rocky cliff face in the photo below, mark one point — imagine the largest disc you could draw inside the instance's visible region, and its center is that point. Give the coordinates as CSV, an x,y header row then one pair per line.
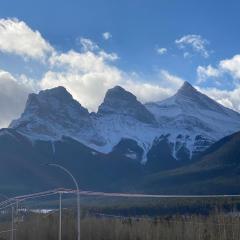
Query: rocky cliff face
x,y
121,102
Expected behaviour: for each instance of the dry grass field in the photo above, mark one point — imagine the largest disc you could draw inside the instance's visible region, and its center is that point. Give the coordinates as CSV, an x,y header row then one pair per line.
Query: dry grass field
x,y
45,227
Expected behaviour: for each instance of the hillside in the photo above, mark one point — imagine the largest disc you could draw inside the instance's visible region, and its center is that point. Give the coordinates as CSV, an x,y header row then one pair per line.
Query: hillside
x,y
217,170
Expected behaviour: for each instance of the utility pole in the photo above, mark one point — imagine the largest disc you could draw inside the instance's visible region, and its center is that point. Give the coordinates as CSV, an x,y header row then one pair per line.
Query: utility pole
x,y
17,219
12,230
60,217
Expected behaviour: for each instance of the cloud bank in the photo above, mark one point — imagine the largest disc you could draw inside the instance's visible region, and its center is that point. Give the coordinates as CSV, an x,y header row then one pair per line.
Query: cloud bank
x,y
16,37
13,95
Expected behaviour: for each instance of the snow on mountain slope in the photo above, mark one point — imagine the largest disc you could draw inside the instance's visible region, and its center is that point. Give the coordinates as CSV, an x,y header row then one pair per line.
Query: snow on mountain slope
x,y
193,119
188,102
52,114
122,116
189,121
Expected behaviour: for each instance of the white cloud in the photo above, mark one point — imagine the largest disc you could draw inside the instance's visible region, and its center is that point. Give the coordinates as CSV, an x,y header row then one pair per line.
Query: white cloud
x,y
89,75
108,56
83,62
161,51
17,38
88,44
13,95
227,98
147,92
89,88
107,35
207,72
232,66
169,80
196,42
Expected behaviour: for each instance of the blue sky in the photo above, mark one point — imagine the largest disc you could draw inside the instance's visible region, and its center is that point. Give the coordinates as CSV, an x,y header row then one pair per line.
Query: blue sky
x,y
150,47
137,26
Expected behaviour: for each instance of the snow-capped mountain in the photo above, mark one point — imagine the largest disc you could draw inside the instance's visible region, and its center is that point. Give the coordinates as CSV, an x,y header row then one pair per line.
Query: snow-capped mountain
x,y
121,116
192,120
121,102
187,123
52,114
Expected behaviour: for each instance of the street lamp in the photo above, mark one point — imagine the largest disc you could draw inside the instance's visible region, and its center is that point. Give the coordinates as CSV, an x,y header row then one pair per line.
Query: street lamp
x,y
78,195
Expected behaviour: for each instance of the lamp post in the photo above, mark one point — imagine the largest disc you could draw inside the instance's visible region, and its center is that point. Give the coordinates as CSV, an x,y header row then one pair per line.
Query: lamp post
x,y
78,194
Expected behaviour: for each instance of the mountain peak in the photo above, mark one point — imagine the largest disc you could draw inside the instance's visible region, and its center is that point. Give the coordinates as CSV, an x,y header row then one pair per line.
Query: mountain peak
x,y
187,89
51,108
59,92
117,88
115,97
119,101
119,93
46,98
187,84
57,97
188,97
